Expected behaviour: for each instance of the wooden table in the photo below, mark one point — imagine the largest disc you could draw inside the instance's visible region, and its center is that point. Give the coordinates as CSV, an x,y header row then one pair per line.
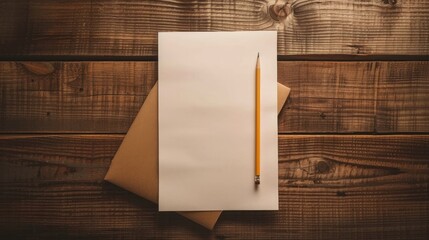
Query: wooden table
x,y
353,136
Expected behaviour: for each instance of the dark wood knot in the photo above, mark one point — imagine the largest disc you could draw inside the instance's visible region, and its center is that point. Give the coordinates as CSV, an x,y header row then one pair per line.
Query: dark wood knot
x,y
278,11
391,2
322,167
341,194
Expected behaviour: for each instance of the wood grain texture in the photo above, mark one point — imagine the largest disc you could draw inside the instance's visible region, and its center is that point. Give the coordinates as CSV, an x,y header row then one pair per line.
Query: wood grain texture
x,y
377,97
104,97
129,28
332,186
75,96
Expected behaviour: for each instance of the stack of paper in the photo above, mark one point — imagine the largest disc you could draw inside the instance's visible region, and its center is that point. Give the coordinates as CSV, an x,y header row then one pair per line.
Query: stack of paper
x,y
135,165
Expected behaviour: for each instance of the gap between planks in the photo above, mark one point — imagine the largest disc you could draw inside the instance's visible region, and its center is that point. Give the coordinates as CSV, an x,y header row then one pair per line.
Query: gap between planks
x,y
309,57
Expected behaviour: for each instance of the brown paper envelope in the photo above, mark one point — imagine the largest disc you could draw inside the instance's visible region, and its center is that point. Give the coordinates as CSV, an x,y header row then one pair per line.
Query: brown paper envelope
x,y
282,94
135,164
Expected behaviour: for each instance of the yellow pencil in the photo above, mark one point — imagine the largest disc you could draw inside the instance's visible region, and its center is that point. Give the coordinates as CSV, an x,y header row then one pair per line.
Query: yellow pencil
x,y
258,124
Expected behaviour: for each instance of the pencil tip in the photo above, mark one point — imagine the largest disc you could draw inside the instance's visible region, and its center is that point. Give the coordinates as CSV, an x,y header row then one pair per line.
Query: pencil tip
x,y
258,54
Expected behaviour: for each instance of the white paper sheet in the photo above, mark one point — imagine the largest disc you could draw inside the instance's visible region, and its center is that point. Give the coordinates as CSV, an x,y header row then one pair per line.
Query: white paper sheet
x,y
207,121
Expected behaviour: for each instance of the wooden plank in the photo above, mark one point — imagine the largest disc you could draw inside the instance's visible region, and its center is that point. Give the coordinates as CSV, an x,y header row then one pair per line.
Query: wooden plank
x,y
355,97
104,97
124,28
331,186
73,96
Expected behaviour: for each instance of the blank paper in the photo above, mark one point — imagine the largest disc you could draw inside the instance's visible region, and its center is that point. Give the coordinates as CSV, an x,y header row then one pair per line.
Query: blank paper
x,y
207,121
